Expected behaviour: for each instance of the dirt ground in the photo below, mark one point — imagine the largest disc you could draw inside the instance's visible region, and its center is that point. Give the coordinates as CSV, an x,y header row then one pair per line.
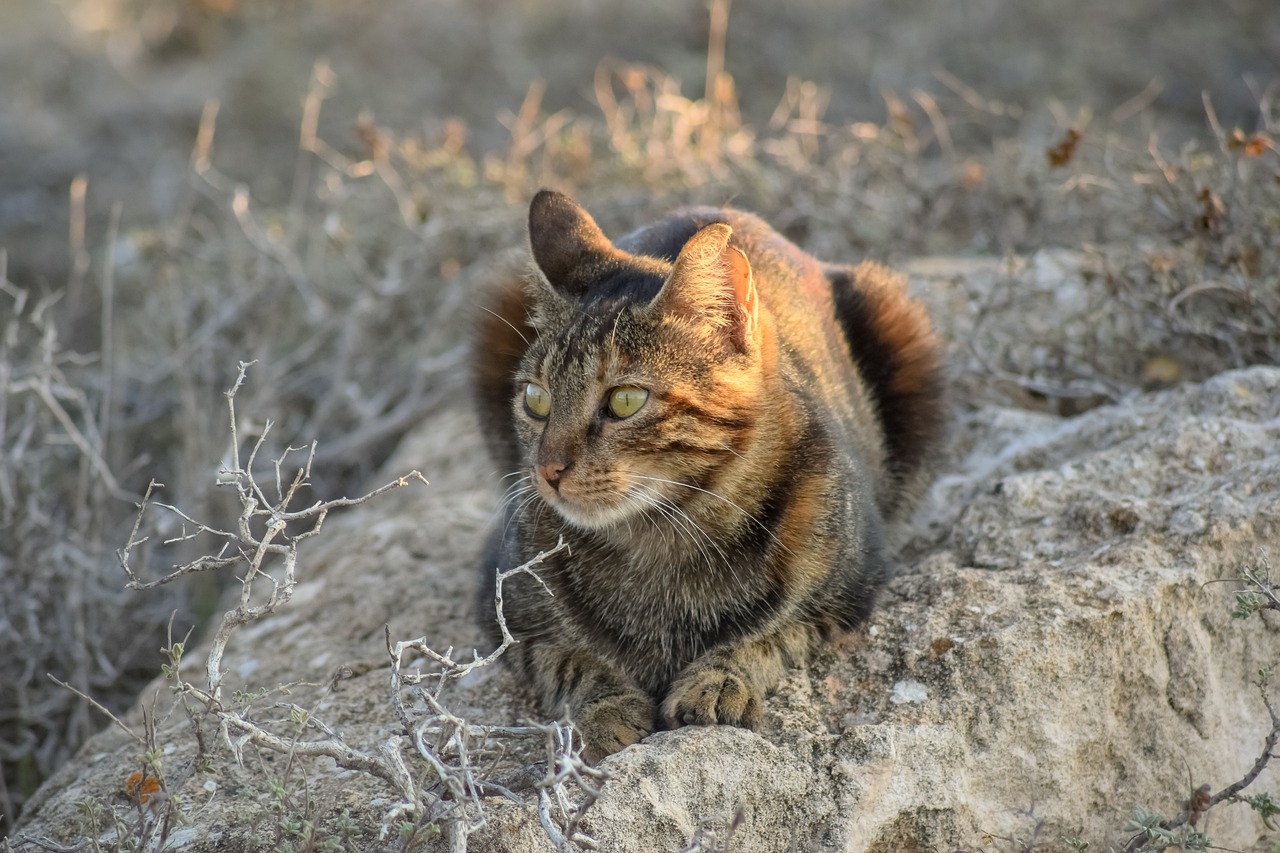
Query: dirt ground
x,y
876,127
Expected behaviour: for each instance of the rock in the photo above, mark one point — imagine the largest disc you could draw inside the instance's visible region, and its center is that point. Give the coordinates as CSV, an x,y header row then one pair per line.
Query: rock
x,y
1057,648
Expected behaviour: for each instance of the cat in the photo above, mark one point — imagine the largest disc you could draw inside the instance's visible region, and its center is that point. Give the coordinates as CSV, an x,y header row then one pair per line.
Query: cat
x,y
719,426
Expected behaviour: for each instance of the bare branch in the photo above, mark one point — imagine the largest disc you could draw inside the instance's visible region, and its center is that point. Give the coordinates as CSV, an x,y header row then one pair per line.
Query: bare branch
x,y
566,766
454,749
100,707
1138,842
343,755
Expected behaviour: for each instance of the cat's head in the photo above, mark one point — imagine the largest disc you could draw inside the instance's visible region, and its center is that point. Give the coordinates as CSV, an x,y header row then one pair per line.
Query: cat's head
x,y
643,381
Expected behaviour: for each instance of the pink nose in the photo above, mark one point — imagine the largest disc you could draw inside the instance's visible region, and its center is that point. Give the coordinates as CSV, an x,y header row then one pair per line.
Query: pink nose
x,y
551,472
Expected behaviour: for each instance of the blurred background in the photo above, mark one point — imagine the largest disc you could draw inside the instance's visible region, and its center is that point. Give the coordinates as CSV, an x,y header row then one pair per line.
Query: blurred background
x,y
114,89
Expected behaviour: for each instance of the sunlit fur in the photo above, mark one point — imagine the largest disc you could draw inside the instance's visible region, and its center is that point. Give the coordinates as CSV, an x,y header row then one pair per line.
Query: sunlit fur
x,y
735,517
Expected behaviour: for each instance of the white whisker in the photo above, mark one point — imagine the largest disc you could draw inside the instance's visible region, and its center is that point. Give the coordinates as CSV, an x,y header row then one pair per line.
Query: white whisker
x,y
718,497
516,490
682,524
508,322
520,493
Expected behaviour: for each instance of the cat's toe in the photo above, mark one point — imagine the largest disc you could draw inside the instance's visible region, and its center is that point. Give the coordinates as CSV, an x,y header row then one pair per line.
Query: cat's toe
x,y
611,724
713,695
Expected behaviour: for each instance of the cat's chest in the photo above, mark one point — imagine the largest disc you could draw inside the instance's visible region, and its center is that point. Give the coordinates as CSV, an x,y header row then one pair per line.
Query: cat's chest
x,y
674,591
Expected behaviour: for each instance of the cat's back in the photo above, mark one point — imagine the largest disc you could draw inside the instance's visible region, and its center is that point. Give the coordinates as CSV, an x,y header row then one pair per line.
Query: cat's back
x,y
793,285
854,331
779,264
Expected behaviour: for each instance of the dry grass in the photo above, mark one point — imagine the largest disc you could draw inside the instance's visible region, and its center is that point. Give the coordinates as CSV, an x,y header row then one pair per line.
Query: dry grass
x,y
346,296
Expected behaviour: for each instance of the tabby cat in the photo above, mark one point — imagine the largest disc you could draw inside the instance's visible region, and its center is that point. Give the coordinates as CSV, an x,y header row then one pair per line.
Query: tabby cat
x,y
719,426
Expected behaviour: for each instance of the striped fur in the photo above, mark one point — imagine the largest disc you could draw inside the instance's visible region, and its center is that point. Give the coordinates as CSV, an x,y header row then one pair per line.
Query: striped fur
x,y
736,517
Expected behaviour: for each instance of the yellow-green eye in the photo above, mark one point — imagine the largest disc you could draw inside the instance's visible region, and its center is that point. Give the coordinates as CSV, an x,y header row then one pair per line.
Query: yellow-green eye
x,y
537,402
626,400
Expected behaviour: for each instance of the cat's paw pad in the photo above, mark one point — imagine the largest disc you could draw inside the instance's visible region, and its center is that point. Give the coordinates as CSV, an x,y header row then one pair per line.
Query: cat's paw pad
x,y
712,695
615,722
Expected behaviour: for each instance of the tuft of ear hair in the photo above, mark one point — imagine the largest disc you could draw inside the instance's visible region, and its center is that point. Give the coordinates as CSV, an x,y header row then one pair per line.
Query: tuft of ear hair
x,y
712,282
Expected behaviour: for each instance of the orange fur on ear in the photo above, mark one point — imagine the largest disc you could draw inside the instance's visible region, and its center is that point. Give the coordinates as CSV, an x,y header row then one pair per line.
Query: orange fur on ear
x,y
711,281
744,292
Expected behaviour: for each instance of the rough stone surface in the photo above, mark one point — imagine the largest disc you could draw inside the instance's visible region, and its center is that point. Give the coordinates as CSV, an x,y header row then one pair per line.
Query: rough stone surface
x,y
1056,648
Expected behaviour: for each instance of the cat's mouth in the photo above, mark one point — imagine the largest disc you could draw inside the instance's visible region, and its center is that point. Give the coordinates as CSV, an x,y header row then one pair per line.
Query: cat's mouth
x,y
593,511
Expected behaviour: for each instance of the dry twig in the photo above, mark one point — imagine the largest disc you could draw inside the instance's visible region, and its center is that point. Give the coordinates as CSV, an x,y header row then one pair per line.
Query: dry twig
x,y
265,542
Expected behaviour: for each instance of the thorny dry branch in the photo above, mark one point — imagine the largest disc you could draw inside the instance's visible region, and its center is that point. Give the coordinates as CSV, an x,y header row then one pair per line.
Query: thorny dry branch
x,y
566,765
265,541
437,734
1198,804
1261,594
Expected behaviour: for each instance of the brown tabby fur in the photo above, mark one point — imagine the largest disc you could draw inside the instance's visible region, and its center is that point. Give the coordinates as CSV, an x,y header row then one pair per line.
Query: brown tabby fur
x,y
735,519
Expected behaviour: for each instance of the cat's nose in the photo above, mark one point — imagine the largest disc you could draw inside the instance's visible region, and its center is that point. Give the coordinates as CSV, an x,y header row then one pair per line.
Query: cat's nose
x,y
551,472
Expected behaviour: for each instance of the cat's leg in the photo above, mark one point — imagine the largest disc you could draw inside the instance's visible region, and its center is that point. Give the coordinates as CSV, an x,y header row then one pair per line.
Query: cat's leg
x,y
610,711
727,684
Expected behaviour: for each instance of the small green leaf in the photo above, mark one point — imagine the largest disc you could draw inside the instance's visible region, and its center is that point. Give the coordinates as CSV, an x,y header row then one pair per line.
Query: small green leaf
x,y
1247,604
1266,806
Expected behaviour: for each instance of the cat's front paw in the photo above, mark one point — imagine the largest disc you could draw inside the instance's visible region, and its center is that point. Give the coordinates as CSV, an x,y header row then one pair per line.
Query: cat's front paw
x,y
618,721
709,694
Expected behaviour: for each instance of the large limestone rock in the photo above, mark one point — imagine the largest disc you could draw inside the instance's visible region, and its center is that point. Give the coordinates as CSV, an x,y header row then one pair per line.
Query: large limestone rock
x,y
1055,650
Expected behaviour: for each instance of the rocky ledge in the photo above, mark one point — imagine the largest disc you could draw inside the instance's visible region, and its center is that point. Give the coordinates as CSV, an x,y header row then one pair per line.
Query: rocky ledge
x,y
1057,649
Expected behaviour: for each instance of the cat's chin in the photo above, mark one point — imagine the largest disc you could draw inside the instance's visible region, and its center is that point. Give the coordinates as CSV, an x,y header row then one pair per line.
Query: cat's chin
x,y
592,516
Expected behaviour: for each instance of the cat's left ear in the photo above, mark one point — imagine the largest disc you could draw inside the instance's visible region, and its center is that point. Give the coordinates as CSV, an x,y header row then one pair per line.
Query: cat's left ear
x,y
712,283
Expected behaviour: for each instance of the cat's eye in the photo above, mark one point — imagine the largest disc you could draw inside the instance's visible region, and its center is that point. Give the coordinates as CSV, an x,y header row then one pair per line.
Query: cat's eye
x,y
537,402
625,400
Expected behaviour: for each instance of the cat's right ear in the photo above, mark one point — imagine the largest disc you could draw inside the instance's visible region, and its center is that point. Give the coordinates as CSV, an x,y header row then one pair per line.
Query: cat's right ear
x,y
566,242
712,283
